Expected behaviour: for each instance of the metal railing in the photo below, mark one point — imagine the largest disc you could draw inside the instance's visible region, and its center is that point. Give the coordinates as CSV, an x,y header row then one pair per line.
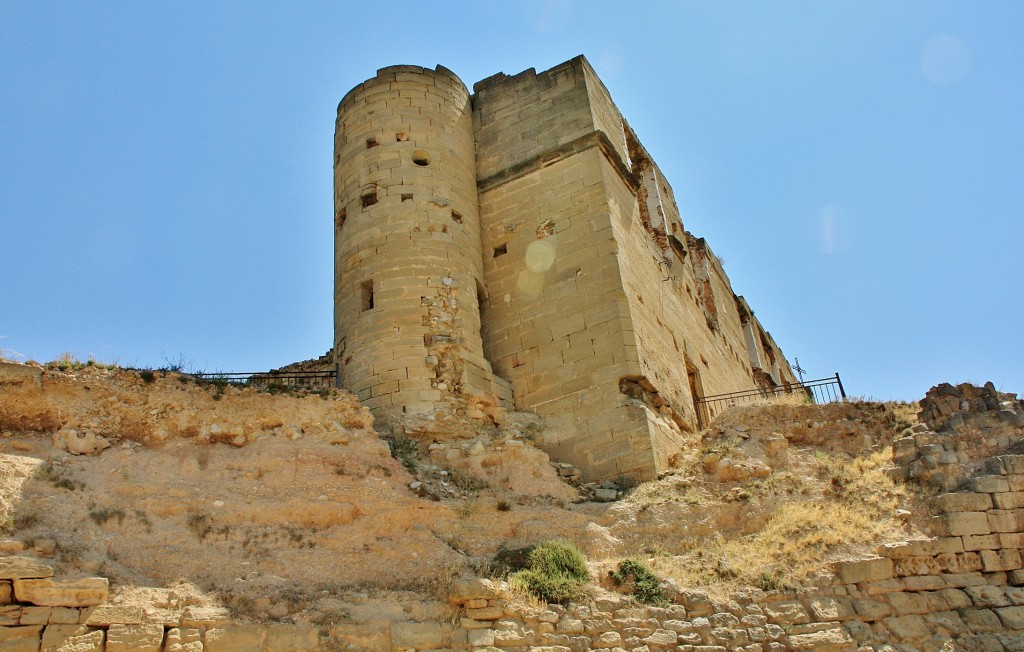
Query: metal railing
x,y
824,390
315,379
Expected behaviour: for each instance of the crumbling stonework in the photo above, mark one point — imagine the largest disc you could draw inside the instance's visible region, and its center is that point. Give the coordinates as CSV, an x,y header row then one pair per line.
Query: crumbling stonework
x,y
521,243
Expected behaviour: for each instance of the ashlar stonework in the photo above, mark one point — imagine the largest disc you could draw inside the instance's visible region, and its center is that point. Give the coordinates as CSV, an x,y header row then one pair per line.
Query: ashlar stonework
x,y
520,244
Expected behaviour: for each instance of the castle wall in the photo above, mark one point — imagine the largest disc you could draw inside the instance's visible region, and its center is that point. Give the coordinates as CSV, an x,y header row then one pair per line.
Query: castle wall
x,y
408,260
528,229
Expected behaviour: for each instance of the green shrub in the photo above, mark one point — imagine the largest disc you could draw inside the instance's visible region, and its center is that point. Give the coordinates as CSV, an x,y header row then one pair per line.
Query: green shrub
x,y
646,587
556,572
403,449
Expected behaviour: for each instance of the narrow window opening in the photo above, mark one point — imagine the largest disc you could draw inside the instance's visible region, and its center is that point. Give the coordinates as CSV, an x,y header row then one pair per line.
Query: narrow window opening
x,y
401,137
421,158
367,298
369,199
406,196
371,142
501,250
340,217
457,217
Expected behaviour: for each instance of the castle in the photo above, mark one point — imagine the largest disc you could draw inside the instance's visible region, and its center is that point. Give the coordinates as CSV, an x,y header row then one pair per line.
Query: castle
x,y
520,244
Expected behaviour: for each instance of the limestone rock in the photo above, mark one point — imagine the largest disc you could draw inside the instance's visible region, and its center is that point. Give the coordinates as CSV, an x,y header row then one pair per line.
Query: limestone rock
x,y
416,635
135,638
84,592
23,568
205,617
235,638
282,637
79,442
90,642
472,589
54,636
108,614
20,639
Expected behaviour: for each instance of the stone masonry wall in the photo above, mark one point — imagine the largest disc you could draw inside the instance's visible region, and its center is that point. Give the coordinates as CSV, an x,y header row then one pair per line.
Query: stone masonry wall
x,y
408,262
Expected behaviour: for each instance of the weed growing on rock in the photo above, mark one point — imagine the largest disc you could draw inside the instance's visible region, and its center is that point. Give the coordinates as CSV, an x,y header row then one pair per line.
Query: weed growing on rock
x,y
201,524
645,583
147,376
556,572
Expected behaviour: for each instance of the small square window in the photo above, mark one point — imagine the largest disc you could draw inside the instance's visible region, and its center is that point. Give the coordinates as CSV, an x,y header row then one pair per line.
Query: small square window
x,y
367,295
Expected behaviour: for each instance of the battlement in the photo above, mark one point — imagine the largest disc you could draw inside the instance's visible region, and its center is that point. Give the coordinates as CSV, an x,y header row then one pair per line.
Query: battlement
x,y
521,245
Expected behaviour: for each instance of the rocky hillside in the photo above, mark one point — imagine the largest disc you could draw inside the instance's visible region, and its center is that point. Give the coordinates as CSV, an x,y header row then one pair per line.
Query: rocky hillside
x,y
293,509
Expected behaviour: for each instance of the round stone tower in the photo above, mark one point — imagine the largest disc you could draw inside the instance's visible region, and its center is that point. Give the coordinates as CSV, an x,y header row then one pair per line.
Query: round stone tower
x,y
408,262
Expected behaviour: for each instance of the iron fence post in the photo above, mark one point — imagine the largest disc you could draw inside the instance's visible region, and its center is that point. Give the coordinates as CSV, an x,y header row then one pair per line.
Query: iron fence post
x,y
842,392
337,375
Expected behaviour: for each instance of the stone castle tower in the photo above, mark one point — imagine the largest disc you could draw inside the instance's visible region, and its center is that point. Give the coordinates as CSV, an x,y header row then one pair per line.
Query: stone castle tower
x,y
520,244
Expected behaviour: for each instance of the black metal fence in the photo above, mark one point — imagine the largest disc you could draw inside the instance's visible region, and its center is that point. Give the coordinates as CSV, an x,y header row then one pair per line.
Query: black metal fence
x,y
314,379
824,390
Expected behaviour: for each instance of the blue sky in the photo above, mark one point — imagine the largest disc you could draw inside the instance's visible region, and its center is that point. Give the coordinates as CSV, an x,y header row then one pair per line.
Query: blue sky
x,y
165,168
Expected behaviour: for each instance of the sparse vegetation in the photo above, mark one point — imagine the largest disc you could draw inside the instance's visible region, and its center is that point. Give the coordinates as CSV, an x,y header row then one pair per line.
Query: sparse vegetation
x,y
200,523
645,584
555,572
101,515
404,449
147,376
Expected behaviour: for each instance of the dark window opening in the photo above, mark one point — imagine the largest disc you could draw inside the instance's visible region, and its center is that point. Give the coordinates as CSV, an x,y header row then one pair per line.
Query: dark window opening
x,y
367,298
501,250
457,216
421,158
369,199
371,142
406,196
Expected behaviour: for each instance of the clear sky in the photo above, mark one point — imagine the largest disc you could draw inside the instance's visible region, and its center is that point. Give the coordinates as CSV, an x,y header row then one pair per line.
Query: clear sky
x,y
166,181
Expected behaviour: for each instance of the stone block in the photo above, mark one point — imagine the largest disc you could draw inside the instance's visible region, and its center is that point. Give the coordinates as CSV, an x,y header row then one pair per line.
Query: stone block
x,y
235,638
282,637
6,593
20,639
35,615
964,502
987,596
910,626
88,642
485,613
835,638
1006,520
474,589
480,637
105,615
867,570
946,622
1008,500
988,484
607,640
10,615
981,621
183,639
924,583
55,635
202,617
1000,560
23,568
974,542
786,613
871,610
965,523
419,636
909,603
135,638
1011,617
84,592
